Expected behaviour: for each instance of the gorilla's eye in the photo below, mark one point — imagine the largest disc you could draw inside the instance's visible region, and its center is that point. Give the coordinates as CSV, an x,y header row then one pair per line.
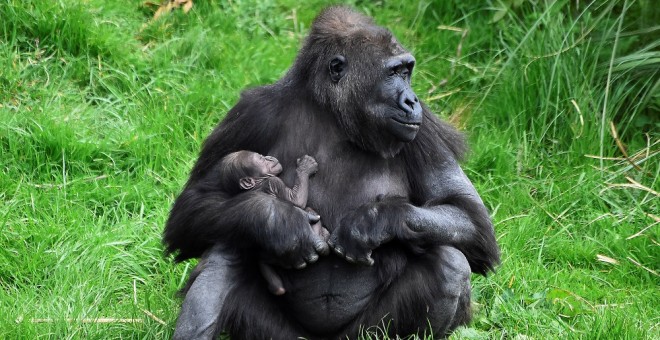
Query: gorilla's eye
x,y
404,70
396,69
408,68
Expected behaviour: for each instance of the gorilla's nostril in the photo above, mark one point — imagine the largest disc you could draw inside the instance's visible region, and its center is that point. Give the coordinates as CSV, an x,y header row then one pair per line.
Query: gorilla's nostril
x,y
407,102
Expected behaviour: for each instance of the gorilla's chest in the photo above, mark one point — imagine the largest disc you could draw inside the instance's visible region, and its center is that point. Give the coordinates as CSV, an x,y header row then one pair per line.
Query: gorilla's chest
x,y
348,178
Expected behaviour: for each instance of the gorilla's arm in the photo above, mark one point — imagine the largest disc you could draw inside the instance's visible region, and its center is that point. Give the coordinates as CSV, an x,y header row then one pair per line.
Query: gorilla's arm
x,y
201,219
444,207
453,214
256,222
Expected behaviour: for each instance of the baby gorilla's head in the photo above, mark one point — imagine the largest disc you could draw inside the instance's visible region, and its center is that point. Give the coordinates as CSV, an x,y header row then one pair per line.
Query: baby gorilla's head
x,y
241,170
260,165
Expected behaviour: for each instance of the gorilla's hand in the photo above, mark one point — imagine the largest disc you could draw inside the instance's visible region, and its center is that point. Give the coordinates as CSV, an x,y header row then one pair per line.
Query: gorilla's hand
x,y
283,234
368,227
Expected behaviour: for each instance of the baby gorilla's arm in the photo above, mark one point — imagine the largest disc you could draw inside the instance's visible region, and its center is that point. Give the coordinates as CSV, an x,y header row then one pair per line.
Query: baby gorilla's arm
x,y
307,166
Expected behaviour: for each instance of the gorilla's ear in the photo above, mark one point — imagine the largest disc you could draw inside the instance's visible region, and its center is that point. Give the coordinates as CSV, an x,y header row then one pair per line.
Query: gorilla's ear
x,y
247,183
337,68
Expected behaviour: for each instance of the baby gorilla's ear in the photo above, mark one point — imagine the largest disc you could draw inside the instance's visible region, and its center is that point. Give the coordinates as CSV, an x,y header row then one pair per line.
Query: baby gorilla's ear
x,y
247,183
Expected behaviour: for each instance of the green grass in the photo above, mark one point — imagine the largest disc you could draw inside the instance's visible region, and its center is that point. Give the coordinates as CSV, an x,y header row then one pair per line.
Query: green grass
x,y
103,110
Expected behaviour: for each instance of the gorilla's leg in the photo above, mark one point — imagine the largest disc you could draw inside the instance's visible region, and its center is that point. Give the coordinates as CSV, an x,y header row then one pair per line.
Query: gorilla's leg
x,y
453,308
432,295
205,293
251,313
223,296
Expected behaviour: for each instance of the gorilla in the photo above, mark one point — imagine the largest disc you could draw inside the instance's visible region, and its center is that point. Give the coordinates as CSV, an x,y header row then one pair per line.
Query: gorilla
x,y
407,226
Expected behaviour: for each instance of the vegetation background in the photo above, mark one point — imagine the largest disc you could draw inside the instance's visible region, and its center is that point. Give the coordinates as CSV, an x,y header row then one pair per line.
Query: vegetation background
x,y
103,109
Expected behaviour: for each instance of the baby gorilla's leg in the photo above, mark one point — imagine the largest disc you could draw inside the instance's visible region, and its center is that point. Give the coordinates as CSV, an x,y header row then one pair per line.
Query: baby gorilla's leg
x,y
317,227
321,231
312,216
273,280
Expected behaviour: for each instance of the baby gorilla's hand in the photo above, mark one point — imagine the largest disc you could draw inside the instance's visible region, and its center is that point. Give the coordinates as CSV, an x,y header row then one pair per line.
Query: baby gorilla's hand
x,y
307,164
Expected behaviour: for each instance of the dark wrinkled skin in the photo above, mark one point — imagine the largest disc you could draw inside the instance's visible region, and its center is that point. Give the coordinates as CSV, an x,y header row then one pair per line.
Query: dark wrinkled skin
x,y
407,226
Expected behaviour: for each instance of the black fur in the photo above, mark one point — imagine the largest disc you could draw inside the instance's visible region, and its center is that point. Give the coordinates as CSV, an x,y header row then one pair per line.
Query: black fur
x,y
402,204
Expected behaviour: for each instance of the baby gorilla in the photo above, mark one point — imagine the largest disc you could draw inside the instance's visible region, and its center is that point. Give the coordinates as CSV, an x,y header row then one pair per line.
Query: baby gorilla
x,y
246,170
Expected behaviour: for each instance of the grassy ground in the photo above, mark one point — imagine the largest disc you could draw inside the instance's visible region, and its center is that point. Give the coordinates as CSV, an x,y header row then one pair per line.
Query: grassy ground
x,y
103,110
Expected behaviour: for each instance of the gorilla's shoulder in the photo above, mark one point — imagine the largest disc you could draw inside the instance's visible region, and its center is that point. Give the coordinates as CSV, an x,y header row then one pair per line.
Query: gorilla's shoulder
x,y
261,102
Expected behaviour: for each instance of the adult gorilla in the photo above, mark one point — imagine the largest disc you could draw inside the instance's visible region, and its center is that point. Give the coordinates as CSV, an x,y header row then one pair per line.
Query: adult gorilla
x,y
389,189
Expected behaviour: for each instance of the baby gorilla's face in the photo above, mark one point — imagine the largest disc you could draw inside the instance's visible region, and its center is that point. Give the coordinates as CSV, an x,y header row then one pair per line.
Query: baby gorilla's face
x,y
265,165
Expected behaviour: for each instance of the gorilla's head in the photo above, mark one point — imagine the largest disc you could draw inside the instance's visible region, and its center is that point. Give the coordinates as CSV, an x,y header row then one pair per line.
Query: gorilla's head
x,y
361,73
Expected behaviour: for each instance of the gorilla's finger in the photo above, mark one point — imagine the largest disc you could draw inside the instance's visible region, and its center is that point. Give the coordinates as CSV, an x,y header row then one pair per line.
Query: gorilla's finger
x,y
366,260
332,240
321,247
311,258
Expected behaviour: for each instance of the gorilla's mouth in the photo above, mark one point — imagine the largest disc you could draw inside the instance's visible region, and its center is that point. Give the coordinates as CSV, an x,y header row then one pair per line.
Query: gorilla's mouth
x,y
411,125
403,130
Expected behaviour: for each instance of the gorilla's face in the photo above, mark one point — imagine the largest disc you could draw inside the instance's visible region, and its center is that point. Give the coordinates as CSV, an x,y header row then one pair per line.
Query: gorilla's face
x,y
378,108
395,103
362,76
